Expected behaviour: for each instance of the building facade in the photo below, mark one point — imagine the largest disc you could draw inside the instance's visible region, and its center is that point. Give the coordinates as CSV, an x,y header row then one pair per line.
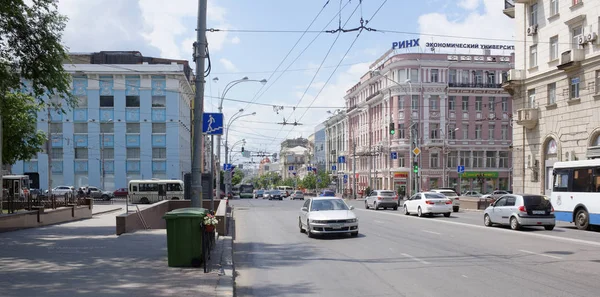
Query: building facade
x,y
132,122
336,142
555,84
452,107
320,156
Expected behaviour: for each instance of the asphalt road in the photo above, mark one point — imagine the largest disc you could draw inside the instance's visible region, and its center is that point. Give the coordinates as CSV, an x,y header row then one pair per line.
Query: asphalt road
x,y
396,255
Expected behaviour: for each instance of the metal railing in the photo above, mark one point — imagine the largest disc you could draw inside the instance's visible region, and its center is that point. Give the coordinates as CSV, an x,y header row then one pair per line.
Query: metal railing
x,y
28,201
475,85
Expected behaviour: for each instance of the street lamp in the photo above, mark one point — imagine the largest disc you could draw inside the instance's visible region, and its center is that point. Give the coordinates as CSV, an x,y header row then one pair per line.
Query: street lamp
x,y
235,117
227,88
102,168
445,154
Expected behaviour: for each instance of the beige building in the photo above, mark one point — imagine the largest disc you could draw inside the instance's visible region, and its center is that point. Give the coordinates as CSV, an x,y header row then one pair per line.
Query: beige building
x,y
555,86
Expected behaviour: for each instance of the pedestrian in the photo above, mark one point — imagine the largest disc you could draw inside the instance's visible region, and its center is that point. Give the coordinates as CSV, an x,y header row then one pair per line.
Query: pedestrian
x,y
89,192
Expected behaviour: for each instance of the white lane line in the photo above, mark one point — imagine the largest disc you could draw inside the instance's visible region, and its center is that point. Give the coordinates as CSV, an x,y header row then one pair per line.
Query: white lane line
x,y
378,222
431,232
539,254
415,258
564,239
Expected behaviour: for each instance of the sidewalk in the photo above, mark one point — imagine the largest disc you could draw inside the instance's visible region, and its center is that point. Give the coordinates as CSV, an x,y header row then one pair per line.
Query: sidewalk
x,y
85,258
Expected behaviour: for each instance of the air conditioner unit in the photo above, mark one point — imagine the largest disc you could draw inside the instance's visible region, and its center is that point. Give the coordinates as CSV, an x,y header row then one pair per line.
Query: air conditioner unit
x,y
581,40
532,30
591,37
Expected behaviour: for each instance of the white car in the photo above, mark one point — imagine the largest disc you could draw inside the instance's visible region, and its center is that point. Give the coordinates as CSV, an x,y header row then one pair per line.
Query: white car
x,y
428,203
450,195
327,215
62,190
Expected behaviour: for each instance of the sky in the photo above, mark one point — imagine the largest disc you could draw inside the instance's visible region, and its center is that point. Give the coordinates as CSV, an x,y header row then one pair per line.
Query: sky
x,y
314,69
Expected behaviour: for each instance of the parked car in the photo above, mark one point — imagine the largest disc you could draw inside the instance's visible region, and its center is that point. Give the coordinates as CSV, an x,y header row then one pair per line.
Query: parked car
x,y
97,193
297,195
121,192
521,210
327,215
259,194
474,194
428,203
275,194
61,190
495,194
381,199
267,194
450,194
327,193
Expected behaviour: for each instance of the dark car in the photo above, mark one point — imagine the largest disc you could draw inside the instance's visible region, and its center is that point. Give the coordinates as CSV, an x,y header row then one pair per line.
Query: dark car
x,y
121,192
275,194
327,193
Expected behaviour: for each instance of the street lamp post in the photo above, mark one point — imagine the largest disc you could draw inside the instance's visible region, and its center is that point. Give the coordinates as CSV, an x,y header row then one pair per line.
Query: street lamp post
x,y
227,175
102,161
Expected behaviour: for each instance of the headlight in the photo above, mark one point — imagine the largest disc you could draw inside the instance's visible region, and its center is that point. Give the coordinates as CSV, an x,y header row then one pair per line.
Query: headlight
x,y
352,220
318,222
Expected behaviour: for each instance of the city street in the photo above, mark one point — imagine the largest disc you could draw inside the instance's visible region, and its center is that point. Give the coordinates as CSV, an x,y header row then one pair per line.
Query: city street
x,y
396,255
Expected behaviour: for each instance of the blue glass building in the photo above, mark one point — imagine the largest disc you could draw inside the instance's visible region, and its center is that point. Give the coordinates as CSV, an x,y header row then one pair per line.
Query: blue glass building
x,y
133,121
320,149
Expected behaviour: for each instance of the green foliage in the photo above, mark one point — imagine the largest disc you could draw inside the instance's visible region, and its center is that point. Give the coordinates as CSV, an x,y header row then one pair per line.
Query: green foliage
x,y
288,182
325,180
237,177
21,139
268,180
309,181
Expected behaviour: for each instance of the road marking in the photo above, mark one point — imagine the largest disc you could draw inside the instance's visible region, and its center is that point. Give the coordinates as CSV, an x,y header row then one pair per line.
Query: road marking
x,y
540,254
415,258
377,222
436,233
564,239
465,276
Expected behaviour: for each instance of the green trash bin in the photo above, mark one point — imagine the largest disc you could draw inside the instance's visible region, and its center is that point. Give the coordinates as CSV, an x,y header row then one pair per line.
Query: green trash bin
x,y
184,236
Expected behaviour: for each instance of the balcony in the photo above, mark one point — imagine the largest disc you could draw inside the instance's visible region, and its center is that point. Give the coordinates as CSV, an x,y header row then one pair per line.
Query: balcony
x,y
523,1
528,117
475,85
372,96
512,80
571,59
509,8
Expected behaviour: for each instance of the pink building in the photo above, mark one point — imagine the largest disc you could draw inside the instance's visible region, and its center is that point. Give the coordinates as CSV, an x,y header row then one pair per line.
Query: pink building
x,y
458,114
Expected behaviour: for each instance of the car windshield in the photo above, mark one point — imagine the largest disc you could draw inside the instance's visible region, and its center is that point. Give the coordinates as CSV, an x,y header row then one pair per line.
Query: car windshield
x,y
276,192
260,191
328,204
298,192
448,193
434,196
328,193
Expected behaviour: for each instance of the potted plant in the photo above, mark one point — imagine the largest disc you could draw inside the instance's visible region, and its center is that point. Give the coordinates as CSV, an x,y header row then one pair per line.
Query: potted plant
x,y
209,222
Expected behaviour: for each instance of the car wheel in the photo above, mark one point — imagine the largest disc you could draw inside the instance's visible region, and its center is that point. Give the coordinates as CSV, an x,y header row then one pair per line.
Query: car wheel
x,y
354,234
144,200
447,215
406,210
582,220
487,221
385,208
419,212
514,224
310,235
105,197
375,205
366,205
300,226
549,228
455,208
395,207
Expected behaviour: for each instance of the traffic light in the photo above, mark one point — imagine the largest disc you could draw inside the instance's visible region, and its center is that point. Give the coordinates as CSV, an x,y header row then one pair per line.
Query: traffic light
x,y
415,167
392,129
242,149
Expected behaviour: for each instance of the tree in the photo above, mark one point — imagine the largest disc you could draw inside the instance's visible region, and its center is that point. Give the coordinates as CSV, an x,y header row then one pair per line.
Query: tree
x,y
237,177
324,180
289,182
309,181
19,123
31,51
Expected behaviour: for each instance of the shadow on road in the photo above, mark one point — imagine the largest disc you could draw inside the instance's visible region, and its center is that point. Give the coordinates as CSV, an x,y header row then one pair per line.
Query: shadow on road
x,y
276,290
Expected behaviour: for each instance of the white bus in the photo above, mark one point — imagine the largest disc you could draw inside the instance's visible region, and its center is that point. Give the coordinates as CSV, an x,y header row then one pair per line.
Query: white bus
x,y
576,192
154,190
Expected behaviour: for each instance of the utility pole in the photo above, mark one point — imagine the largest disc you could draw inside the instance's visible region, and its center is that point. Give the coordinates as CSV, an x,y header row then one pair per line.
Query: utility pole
x,y
102,158
199,56
354,166
49,151
2,167
212,173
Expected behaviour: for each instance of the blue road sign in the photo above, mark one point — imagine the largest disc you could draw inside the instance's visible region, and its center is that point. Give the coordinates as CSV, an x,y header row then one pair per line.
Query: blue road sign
x,y
309,168
460,169
291,168
345,178
294,173
212,123
394,155
342,159
226,167
333,168
318,180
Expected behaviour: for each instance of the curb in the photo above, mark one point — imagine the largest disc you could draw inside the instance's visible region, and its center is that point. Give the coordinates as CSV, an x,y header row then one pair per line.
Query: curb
x,y
226,283
106,211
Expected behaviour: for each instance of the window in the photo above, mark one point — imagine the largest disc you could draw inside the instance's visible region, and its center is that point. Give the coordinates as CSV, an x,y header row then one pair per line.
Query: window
x,y
533,56
452,76
57,153
159,127
491,129
492,105
133,153
465,130
574,89
504,104
434,102
132,101
108,153
576,33
81,153
159,153
434,160
551,93
597,81
575,2
451,163
531,98
80,128
107,101
477,131
465,103
491,78
504,132
401,103
490,159
434,75
465,159
464,77
107,128
159,101
56,128
553,7
478,103
451,131
582,180
561,180
533,14
133,128
452,103
478,159
414,75
401,131
415,102
174,187
401,160
503,160
554,48
435,131
82,101
479,77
